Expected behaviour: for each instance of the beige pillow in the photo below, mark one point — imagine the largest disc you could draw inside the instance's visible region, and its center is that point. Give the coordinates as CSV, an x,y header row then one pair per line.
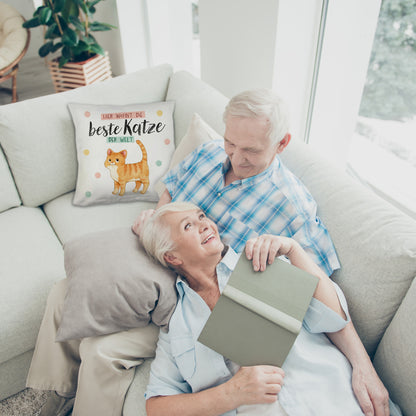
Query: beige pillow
x,y
113,286
198,132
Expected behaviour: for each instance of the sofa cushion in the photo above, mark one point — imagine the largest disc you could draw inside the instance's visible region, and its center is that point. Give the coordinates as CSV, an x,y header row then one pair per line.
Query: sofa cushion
x,y
394,359
43,159
70,221
113,286
374,241
192,95
132,143
9,197
198,133
134,404
32,259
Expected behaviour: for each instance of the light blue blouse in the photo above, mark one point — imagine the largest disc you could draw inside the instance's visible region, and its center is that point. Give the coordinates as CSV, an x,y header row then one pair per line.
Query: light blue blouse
x,y
317,375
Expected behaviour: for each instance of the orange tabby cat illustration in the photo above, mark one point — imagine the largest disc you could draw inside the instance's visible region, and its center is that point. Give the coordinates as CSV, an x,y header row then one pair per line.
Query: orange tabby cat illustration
x,y
122,172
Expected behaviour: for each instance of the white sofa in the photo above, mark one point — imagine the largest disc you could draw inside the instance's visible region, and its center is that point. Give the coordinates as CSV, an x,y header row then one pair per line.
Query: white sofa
x,y
376,243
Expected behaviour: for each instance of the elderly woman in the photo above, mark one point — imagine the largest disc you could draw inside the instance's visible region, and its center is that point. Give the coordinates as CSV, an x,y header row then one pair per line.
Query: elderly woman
x,y
188,378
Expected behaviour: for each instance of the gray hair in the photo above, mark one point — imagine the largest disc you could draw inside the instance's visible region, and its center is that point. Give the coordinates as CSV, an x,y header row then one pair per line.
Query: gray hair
x,y
261,103
156,236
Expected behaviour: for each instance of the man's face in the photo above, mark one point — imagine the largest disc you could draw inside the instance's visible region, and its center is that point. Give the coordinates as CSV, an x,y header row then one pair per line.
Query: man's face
x,y
247,146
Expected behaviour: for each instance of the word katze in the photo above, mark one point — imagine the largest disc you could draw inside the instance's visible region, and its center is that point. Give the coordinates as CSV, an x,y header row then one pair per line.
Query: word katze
x,y
129,128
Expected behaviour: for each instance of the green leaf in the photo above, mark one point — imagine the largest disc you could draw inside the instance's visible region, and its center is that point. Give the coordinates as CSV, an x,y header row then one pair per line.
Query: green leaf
x,y
44,15
100,27
62,61
77,23
96,48
91,6
80,49
66,52
52,32
82,5
89,39
70,37
83,47
92,3
57,46
63,23
34,22
45,49
58,5
70,9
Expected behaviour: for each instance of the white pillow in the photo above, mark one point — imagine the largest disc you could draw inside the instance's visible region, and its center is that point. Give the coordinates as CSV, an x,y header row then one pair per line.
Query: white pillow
x,y
198,132
122,151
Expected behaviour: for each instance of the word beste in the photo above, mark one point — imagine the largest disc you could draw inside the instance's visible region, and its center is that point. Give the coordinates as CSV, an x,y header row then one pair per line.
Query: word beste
x,y
128,128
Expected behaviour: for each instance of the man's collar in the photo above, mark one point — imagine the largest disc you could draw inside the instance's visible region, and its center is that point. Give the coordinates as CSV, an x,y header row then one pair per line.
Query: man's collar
x,y
252,179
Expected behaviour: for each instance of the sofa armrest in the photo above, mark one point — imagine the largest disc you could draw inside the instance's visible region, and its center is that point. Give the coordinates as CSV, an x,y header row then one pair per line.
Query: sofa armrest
x,y
394,359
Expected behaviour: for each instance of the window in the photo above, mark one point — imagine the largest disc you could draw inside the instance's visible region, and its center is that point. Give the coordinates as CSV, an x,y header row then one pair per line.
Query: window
x,y
383,147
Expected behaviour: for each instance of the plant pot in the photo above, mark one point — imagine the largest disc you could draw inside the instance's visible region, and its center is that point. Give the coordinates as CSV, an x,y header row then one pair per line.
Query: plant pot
x,y
78,74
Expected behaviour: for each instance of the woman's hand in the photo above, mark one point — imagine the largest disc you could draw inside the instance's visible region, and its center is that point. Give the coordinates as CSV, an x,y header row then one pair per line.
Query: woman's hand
x,y
264,249
141,219
255,385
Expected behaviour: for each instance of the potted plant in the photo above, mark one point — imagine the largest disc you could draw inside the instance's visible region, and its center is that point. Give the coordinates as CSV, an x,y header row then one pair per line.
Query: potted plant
x,y
68,27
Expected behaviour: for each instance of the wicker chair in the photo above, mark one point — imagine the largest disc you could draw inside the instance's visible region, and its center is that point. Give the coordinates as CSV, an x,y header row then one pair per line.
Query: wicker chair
x,y
14,42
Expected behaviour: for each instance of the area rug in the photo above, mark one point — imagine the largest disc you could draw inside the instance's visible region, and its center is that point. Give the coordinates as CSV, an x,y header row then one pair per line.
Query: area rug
x,y
26,403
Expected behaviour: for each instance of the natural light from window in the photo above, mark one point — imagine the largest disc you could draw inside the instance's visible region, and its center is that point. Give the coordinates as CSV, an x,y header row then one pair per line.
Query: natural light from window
x,y
386,126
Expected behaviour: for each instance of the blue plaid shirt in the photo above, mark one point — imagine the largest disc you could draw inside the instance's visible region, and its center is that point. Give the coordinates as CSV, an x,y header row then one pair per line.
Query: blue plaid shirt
x,y
273,202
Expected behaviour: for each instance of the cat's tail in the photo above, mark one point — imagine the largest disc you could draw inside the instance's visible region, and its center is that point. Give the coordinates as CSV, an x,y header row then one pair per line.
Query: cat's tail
x,y
144,152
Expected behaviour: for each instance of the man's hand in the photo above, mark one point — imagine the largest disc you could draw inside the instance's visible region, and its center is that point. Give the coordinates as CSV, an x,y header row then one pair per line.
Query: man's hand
x,y
264,249
141,219
255,385
370,392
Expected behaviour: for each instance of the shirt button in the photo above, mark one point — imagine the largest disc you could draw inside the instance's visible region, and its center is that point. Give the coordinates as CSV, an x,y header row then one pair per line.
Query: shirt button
x,y
219,194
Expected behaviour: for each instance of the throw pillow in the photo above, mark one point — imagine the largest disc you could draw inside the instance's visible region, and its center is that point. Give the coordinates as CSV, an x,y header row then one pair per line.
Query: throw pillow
x,y
122,151
198,132
113,285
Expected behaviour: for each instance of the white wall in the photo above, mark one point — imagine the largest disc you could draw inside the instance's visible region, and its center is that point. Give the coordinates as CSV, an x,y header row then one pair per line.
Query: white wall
x,y
154,32
111,40
238,42
170,33
130,49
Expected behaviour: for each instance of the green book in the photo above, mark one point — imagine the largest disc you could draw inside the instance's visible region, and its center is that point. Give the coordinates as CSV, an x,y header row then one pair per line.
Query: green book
x,y
259,314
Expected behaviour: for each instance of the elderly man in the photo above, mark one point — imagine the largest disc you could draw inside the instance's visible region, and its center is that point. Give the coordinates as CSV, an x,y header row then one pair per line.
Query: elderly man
x,y
242,185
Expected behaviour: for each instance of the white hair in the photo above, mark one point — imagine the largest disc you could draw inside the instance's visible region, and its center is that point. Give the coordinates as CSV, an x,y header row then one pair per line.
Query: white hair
x,y
156,236
261,103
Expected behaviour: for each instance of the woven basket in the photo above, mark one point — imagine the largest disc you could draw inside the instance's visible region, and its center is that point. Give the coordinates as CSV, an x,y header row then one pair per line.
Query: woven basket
x,y
78,74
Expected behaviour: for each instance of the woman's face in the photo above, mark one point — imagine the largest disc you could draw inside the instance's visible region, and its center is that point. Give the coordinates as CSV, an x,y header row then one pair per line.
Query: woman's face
x,y
195,236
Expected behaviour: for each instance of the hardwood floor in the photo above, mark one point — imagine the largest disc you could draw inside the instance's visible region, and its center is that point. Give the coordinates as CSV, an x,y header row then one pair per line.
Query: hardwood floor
x,y
33,80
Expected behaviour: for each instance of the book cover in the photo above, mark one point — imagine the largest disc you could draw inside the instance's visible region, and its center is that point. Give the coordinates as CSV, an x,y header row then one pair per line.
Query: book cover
x,y
259,314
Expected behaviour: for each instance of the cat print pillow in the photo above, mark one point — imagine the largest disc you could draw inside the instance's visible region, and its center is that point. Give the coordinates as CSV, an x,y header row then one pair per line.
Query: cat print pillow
x,y
122,151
